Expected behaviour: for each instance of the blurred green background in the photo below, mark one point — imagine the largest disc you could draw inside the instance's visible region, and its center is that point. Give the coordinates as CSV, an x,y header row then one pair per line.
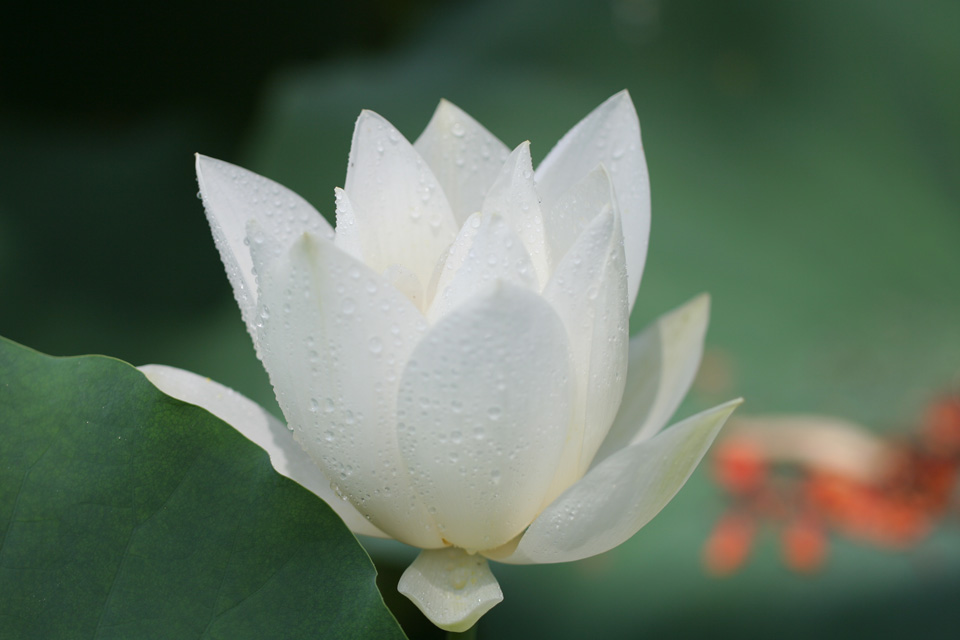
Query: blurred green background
x,y
805,169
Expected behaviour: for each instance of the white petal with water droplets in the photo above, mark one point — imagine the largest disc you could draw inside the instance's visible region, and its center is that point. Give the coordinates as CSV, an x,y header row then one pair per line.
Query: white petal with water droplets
x,y
495,254
231,197
455,255
336,337
401,212
588,290
453,589
482,415
574,210
348,231
620,495
610,135
261,428
464,156
663,362
514,197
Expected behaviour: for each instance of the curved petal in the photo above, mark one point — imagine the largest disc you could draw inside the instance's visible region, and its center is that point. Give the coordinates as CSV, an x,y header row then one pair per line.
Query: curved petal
x,y
232,196
514,197
589,292
620,495
663,361
464,156
495,253
483,411
454,257
574,210
610,135
347,236
335,338
453,589
261,428
402,213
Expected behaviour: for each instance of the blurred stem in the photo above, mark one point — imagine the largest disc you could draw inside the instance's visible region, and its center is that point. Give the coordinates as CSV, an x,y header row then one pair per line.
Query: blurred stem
x,y
469,634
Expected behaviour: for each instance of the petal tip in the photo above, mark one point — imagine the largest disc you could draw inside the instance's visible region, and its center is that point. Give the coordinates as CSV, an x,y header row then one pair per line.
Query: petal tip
x,y
445,107
369,114
701,303
207,163
623,94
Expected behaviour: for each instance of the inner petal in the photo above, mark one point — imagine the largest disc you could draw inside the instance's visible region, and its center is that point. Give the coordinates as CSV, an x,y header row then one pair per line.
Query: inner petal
x,y
402,214
495,253
514,197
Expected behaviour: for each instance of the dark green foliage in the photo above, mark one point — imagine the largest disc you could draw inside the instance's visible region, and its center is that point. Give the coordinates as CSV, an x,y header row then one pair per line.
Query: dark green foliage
x,y
127,514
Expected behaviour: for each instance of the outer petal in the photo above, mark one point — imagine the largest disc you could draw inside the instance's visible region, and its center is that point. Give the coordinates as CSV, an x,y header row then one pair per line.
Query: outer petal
x,y
620,495
664,359
465,157
451,588
402,212
487,249
483,410
589,292
261,428
335,339
610,135
514,197
231,197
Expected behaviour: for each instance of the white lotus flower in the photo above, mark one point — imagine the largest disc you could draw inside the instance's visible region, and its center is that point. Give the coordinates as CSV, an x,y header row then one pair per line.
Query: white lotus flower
x,y
451,361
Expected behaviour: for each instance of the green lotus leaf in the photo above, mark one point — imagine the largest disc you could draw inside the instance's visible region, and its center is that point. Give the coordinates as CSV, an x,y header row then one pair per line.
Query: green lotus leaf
x,y
127,514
